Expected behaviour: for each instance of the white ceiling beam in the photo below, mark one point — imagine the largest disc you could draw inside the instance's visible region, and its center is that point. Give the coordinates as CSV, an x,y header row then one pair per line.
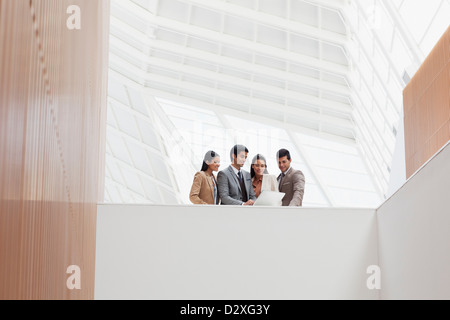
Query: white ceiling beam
x,y
126,69
165,125
296,58
158,183
215,77
363,106
272,20
400,26
368,55
370,142
248,85
336,5
352,27
257,118
253,87
176,84
207,92
227,62
331,127
371,149
252,103
251,68
132,11
250,46
374,176
150,150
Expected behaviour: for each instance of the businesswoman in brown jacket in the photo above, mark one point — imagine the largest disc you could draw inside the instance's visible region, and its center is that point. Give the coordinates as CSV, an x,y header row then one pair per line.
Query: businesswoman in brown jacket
x,y
204,189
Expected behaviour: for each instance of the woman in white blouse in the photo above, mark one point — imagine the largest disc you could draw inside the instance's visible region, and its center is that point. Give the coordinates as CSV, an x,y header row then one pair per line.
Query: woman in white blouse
x,y
261,178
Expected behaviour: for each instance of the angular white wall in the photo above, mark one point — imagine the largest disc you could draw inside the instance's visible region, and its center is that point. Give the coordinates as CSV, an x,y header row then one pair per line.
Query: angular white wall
x,y
414,235
234,253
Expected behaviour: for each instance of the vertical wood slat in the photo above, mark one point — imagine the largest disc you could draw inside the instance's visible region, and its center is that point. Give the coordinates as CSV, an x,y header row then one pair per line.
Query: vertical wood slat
x,y
427,107
52,121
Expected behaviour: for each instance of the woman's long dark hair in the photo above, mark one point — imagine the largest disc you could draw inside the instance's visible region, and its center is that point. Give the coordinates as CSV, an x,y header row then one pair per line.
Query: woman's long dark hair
x,y
209,156
255,159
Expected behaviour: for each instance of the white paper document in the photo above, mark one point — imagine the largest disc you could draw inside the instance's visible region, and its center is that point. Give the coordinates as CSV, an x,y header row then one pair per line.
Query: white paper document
x,y
269,199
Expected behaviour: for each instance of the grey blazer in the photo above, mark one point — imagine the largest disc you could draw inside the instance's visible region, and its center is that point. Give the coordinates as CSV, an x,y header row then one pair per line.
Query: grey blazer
x,y
230,189
293,185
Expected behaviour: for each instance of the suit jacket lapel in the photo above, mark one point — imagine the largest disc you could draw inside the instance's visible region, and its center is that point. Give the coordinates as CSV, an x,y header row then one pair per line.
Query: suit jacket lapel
x,y
230,168
211,187
245,184
286,178
291,170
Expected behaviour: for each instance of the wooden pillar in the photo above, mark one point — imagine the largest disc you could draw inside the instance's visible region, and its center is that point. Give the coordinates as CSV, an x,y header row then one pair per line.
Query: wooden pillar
x,y
53,89
427,107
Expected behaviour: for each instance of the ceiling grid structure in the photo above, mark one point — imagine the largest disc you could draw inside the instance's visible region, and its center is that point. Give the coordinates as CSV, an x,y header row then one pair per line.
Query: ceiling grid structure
x,y
187,76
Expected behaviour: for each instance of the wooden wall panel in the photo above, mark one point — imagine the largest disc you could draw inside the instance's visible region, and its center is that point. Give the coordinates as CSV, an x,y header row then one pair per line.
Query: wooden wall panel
x,y
427,107
53,87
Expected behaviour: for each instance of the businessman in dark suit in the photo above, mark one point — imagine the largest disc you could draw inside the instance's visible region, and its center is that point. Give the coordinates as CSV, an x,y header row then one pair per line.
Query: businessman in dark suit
x,y
290,181
235,185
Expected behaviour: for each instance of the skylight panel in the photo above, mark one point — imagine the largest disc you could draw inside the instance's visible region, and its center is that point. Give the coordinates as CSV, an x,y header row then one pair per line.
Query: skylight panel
x,y
304,13
205,18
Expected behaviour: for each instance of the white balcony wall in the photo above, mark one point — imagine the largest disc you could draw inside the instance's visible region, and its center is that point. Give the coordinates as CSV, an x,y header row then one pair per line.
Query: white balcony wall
x,y
223,253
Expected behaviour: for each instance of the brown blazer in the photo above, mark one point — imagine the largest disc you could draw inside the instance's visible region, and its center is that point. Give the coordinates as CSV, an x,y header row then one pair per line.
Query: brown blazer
x,y
293,185
202,191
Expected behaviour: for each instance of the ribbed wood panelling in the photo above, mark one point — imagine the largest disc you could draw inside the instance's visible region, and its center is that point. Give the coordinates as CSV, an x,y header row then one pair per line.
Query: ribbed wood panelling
x,y
53,84
427,107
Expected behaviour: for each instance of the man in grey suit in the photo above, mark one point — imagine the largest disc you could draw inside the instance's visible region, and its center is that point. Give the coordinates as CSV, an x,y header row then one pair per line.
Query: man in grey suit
x,y
235,185
290,181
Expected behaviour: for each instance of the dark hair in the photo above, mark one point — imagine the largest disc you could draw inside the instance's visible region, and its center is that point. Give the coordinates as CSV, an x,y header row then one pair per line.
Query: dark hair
x,y
236,150
284,153
255,159
209,156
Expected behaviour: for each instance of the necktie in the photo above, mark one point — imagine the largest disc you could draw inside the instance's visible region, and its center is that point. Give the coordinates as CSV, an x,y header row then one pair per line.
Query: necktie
x,y
243,189
281,181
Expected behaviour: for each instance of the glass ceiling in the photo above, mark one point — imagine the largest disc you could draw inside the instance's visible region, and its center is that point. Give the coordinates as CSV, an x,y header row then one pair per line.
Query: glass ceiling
x,y
322,78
